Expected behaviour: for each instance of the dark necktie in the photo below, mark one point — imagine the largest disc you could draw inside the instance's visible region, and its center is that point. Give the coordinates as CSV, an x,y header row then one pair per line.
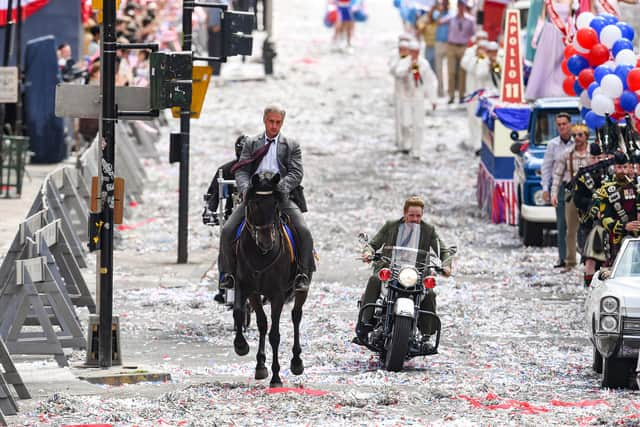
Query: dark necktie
x,y
257,156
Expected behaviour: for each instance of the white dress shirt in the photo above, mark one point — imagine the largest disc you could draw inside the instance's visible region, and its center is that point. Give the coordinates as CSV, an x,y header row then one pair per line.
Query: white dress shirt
x,y
556,151
269,162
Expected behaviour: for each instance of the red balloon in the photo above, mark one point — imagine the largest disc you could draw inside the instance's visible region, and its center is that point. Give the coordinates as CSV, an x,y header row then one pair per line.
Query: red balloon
x,y
638,62
567,85
585,78
587,37
569,51
565,68
598,55
618,115
633,79
618,108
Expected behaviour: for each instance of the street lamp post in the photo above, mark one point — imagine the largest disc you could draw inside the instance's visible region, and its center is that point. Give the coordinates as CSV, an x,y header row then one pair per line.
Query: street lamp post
x,y
107,169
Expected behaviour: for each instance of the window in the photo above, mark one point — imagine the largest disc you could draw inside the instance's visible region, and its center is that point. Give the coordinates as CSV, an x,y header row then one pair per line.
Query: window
x,y
545,127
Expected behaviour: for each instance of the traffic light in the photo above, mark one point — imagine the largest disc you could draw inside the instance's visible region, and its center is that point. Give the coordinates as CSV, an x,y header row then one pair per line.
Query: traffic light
x,y
170,75
236,33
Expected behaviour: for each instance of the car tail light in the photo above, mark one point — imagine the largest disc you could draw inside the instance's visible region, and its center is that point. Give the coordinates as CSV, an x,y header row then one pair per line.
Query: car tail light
x,y
429,282
384,275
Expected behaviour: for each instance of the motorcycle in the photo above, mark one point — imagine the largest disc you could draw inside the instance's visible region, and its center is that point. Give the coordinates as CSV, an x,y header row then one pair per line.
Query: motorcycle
x,y
394,332
217,218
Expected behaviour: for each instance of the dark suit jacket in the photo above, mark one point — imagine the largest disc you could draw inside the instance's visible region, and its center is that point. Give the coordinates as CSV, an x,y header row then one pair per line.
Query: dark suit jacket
x,y
213,191
289,162
388,235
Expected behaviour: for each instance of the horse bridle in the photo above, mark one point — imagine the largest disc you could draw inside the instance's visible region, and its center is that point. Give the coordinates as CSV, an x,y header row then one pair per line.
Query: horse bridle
x,y
255,229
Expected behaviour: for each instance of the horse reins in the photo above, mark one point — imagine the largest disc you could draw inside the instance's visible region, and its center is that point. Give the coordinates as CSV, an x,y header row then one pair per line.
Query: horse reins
x,y
255,229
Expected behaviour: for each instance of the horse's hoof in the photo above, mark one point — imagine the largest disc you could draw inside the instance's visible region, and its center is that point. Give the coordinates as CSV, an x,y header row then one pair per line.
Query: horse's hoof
x,y
241,348
276,384
262,373
297,368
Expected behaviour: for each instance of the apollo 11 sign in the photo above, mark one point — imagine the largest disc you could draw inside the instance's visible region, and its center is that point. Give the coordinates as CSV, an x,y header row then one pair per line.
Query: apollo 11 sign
x,y
511,86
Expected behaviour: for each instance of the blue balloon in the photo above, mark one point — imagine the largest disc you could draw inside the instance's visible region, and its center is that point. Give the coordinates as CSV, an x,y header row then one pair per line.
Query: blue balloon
x,y
593,86
598,23
627,30
577,88
628,101
396,3
621,44
621,71
609,18
600,72
584,111
594,121
360,16
577,63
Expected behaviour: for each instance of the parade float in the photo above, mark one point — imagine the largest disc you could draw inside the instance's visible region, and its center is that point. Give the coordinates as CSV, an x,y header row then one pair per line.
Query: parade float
x,y
501,115
602,79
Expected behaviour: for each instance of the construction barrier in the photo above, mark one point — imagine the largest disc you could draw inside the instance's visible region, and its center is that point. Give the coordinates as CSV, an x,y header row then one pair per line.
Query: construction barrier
x,y
41,281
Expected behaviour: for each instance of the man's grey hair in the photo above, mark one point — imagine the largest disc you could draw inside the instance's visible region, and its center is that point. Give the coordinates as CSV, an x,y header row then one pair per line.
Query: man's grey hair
x,y
274,108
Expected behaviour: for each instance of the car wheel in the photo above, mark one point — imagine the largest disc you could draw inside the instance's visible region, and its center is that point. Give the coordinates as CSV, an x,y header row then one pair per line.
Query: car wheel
x,y
597,361
531,233
616,372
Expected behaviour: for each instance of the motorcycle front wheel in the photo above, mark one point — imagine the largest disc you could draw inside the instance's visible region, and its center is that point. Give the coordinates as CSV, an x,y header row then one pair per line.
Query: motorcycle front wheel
x,y
399,344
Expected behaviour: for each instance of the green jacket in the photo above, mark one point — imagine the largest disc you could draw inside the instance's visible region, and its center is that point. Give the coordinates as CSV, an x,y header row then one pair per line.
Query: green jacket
x,y
388,235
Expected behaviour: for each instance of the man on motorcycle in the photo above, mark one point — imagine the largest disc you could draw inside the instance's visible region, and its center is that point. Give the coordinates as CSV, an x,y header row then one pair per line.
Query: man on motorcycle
x,y
408,231
212,199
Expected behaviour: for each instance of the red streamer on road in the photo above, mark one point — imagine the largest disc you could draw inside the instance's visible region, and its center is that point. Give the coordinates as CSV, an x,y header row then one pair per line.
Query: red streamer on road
x,y
125,227
526,407
581,404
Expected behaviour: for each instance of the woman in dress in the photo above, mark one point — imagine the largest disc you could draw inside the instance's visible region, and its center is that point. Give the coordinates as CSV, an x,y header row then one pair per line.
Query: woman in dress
x,y
546,72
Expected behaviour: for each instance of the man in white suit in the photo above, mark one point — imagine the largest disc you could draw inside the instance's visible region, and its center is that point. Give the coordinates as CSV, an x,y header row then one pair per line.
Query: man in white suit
x,y
414,79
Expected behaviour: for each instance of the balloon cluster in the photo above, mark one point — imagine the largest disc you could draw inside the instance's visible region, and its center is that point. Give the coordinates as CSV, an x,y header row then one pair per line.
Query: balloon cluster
x,y
601,69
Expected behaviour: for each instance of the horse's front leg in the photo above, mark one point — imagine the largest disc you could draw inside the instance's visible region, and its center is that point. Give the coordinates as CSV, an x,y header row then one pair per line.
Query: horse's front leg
x,y
274,340
239,343
297,367
261,320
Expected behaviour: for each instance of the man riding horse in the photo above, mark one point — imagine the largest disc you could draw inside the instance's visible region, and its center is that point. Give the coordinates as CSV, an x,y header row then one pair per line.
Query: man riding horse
x,y
271,152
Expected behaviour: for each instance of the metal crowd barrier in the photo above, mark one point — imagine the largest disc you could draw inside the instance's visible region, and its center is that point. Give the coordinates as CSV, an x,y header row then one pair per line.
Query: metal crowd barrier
x,y
41,282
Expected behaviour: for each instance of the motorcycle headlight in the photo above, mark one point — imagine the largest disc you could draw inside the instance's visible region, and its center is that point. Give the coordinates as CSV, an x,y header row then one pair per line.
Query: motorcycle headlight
x,y
609,323
538,199
408,277
609,304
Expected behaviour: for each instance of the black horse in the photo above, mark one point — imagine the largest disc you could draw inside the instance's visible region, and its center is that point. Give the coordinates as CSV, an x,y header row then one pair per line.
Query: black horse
x,y
266,268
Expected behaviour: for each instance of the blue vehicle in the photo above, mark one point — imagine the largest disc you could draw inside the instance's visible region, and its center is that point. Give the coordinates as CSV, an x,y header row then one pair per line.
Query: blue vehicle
x,y
534,214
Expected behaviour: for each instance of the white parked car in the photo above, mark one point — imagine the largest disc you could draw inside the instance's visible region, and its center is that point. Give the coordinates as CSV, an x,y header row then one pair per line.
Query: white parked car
x,y
612,311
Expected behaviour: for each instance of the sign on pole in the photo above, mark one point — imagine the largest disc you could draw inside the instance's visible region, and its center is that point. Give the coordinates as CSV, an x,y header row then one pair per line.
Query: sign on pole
x,y
511,86
8,85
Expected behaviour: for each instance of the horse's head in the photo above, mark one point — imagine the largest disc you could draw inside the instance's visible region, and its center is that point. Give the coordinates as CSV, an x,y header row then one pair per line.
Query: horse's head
x,y
262,210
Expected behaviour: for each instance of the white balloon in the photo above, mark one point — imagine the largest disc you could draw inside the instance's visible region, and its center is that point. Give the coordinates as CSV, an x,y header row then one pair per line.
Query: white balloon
x,y
637,111
626,57
584,19
579,48
610,64
609,35
602,105
611,86
584,99
596,91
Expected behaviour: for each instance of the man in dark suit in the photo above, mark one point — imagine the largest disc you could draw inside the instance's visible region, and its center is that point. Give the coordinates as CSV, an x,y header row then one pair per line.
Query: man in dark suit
x,y
212,197
282,156
408,231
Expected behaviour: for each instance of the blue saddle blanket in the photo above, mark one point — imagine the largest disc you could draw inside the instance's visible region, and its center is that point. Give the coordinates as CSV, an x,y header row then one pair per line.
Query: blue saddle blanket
x,y
286,228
